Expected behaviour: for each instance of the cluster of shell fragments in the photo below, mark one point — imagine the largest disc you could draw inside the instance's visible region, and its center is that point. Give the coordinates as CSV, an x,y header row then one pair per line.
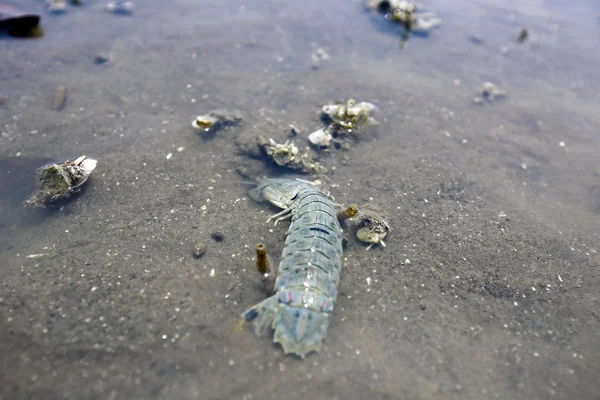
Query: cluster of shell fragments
x,y
344,121
287,155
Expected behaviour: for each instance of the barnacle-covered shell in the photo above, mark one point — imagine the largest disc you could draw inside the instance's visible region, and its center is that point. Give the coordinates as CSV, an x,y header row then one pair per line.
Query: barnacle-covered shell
x,y
60,181
353,115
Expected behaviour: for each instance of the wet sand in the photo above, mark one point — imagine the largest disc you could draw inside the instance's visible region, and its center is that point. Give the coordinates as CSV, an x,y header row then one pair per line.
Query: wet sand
x,y
488,286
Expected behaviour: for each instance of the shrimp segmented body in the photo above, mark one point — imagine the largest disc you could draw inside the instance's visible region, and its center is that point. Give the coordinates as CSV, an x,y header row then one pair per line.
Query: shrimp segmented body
x,y
309,272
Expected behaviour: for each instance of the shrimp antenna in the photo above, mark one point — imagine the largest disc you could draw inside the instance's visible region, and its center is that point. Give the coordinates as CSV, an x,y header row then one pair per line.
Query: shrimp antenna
x,y
246,183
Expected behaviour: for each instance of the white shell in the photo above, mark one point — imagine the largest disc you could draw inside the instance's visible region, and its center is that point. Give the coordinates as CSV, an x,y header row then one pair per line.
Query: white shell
x,y
424,25
320,137
87,166
368,106
56,6
332,109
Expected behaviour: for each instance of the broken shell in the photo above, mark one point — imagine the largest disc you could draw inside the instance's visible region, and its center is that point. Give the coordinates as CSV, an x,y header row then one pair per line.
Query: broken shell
x,y
120,7
56,6
332,109
320,138
424,24
363,106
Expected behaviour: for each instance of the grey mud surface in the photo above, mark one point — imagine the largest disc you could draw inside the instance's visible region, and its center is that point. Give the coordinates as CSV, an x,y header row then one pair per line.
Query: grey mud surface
x,y
489,284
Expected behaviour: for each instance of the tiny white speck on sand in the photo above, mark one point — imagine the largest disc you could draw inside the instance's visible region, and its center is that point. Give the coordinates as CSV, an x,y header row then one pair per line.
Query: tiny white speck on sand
x,y
35,255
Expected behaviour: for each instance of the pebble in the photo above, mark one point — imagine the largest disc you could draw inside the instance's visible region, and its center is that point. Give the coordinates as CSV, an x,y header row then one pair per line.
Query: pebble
x,y
217,236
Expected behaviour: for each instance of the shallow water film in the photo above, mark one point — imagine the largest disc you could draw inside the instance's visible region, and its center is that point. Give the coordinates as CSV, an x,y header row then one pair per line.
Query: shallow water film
x,y
483,164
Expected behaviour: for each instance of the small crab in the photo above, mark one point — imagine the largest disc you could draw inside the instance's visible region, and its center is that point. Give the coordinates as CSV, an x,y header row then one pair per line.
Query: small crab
x,y
373,228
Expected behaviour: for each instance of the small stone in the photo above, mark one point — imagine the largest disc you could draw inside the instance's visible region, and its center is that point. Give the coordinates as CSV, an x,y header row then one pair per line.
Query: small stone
x,y
217,236
100,60
523,35
294,131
